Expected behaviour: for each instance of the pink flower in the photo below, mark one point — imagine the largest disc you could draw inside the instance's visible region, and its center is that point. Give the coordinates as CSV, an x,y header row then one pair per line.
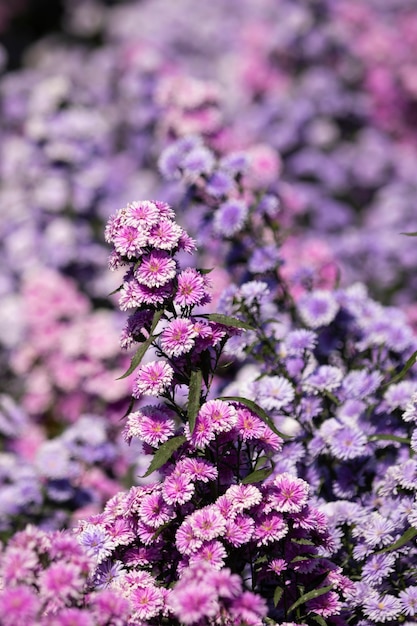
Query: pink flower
x,y
61,582
153,379
165,235
154,511
248,425
221,415
239,530
151,424
244,496
203,432
212,552
129,242
71,617
288,494
191,288
207,523
249,609
18,606
193,602
18,565
197,469
156,269
178,337
185,538
141,214
177,489
269,528
146,602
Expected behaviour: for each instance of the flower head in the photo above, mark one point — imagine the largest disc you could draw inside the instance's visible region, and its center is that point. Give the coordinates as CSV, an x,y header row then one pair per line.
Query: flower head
x,y
153,379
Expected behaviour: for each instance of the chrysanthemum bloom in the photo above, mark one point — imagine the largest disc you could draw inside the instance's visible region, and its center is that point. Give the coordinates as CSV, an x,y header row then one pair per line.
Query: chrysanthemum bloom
x,y
220,415
325,378
382,608
207,522
318,308
186,540
288,494
146,602
178,489
326,605
96,540
211,552
197,469
378,567
178,337
165,235
141,214
298,341
191,288
60,583
230,217
248,425
129,242
347,443
269,528
71,617
274,392
408,599
243,497
193,602
19,606
156,269
152,424
239,530
152,379
249,608
154,511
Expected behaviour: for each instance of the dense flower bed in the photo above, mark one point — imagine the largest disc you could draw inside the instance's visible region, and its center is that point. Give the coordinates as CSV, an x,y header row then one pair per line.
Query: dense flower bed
x,y
208,408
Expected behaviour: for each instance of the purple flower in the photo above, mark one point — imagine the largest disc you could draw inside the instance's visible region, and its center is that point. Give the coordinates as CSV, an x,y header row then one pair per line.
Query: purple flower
x,y
207,523
264,259
298,341
19,606
219,184
382,608
96,540
146,602
408,599
156,269
191,288
325,378
165,235
198,161
269,528
378,567
318,308
230,217
274,392
287,494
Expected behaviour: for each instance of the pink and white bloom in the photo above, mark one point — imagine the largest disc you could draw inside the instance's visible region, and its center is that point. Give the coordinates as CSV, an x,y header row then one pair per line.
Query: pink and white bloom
x,y
178,337
153,379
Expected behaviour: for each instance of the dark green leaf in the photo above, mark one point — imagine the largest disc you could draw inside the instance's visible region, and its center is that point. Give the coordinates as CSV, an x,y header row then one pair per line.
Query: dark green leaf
x,y
115,291
390,438
409,534
205,270
164,453
302,541
331,397
409,364
278,595
259,412
260,462
140,352
310,596
257,476
226,320
409,234
319,620
129,408
194,394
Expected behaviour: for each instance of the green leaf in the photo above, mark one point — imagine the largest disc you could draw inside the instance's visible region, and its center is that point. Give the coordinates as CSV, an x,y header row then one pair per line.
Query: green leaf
x,y
164,453
389,437
409,534
140,352
259,412
260,462
205,270
319,620
226,320
310,596
303,542
257,476
194,394
409,234
278,595
115,291
129,408
409,364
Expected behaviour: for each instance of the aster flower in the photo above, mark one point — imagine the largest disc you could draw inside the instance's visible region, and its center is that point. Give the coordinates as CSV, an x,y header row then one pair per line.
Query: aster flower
x,y
318,308
249,608
230,217
207,523
325,378
141,214
398,395
178,337
165,235
211,552
220,415
185,539
198,161
408,599
193,601
156,269
96,540
191,288
129,242
298,341
154,511
382,608
274,392
347,443
178,489
410,413
197,469
239,529
269,528
287,494
243,496
19,606
378,567
152,379
61,582
152,424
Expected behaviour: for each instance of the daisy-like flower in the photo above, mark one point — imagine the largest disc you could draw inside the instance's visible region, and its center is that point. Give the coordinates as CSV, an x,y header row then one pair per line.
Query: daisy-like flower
x,y
129,242
185,539
19,606
156,269
248,425
325,605
141,214
211,552
96,540
375,530
152,379
382,608
177,489
410,413
287,494
377,568
152,424
249,608
269,528
239,530
107,573
193,601
207,523
243,497
146,602
299,340
154,511
408,599
360,383
230,217
221,415
178,337
191,288
197,469
203,432
71,616
274,392
348,443
61,582
165,235
277,566
325,378
398,396
199,160
318,308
